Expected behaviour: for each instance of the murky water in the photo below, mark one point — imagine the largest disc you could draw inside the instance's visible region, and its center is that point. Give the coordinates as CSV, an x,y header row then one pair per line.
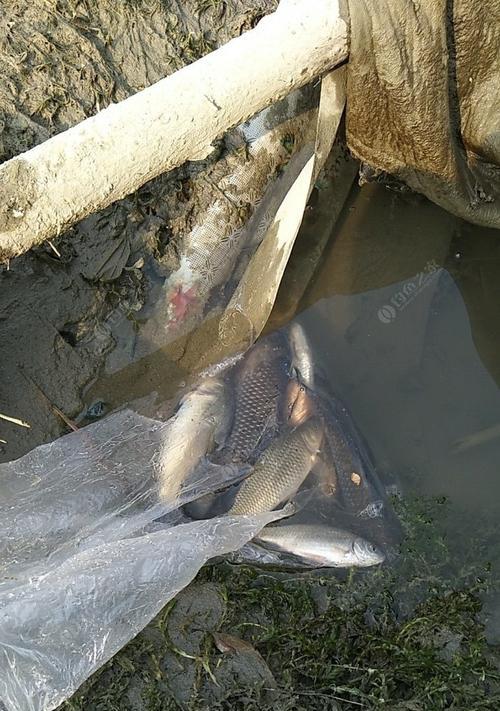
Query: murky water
x,y
403,314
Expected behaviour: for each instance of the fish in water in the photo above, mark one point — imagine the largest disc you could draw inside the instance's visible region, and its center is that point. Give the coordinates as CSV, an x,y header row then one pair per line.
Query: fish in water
x,y
362,498
281,469
259,383
200,422
358,484
302,357
321,546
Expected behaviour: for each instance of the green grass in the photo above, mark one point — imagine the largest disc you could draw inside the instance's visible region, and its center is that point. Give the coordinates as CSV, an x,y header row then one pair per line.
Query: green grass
x,y
402,637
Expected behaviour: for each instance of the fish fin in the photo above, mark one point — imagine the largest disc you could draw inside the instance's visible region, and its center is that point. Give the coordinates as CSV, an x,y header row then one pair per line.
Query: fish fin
x,y
326,476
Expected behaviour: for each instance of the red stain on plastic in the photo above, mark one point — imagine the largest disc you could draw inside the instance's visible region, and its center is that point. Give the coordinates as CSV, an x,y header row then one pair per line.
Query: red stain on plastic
x,y
180,303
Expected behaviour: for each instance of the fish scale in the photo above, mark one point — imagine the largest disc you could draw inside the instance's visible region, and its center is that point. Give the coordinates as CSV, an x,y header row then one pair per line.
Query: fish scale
x,y
280,471
255,416
259,387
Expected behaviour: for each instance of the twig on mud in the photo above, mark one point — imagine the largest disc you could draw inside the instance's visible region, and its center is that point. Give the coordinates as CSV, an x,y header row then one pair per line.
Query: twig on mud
x,y
69,423
72,425
15,420
54,248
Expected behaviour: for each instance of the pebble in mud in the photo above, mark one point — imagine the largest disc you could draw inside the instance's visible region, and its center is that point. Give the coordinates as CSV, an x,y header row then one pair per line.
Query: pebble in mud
x,y
240,667
96,410
447,643
320,598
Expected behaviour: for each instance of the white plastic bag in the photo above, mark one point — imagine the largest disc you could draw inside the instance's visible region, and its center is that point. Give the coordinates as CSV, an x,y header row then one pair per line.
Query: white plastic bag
x,y
88,556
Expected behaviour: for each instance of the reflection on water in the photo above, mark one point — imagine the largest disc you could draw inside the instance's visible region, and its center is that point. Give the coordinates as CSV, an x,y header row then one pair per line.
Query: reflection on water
x,y
402,316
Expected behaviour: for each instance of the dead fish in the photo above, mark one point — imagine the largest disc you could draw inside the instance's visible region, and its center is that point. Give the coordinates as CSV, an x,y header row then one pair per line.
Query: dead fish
x,y
259,382
358,483
299,403
201,420
322,546
302,357
300,407
280,470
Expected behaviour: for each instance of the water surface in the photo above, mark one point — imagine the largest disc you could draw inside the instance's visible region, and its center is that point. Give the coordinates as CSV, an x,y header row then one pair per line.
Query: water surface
x,y
403,314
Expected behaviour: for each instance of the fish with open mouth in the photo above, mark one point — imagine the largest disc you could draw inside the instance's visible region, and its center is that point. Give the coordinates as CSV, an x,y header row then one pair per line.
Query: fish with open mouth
x,y
280,470
302,356
321,546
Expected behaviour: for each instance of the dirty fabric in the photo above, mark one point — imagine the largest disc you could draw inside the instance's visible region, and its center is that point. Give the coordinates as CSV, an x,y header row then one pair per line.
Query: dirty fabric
x,y
423,98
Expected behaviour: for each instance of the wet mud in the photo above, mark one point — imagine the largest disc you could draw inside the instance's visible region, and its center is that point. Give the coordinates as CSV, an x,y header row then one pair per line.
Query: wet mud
x,y
68,304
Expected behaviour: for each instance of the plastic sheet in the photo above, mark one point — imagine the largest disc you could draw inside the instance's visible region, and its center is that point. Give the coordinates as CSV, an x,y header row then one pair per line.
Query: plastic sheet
x,y
99,529
88,556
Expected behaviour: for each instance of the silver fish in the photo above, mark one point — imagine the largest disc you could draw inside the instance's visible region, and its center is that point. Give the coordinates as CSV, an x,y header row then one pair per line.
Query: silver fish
x,y
280,470
259,383
302,357
322,546
200,422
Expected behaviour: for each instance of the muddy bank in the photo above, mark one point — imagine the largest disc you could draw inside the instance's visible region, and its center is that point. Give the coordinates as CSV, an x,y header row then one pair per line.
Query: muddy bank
x,y
58,303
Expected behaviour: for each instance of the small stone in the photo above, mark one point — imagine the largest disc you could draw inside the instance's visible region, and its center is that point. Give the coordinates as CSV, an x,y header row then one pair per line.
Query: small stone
x,y
96,410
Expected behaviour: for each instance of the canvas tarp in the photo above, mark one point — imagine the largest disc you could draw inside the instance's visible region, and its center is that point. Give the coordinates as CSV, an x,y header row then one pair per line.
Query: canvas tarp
x,y
424,96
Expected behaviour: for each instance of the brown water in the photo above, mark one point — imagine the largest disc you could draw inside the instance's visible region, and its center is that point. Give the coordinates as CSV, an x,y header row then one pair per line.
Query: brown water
x,y
403,314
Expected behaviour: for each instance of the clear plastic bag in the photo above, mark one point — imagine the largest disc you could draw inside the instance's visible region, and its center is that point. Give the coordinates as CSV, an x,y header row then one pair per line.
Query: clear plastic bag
x,y
99,529
88,554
